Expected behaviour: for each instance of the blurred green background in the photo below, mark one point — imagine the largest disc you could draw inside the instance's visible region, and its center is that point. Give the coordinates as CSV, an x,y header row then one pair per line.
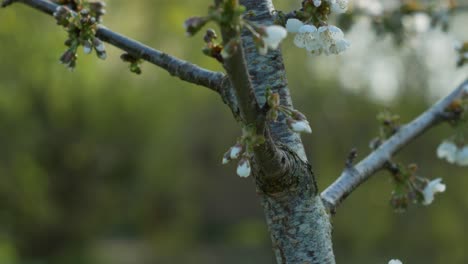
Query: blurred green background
x,y
102,166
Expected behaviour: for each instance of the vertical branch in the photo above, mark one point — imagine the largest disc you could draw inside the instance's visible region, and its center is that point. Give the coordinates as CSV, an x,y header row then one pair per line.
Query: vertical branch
x,y
299,225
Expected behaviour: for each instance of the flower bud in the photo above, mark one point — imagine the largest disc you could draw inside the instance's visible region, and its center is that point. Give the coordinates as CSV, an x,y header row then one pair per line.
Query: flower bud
x,y
236,151
194,24
243,168
299,126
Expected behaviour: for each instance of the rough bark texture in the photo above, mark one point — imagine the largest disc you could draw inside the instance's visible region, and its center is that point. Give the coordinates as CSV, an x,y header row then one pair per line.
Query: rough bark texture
x,y
297,220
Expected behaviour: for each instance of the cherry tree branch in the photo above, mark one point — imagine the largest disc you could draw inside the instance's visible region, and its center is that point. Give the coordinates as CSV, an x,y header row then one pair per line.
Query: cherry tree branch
x,y
186,71
352,177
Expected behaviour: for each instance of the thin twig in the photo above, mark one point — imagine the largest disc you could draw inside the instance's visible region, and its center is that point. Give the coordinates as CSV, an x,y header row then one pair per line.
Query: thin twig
x,y
186,71
349,180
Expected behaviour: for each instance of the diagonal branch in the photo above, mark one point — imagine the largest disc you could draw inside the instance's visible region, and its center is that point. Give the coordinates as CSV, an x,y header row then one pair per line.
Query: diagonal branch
x,y
352,177
186,71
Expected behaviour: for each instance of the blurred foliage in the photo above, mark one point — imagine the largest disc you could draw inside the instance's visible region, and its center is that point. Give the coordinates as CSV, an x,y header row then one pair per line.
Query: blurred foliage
x,y
103,166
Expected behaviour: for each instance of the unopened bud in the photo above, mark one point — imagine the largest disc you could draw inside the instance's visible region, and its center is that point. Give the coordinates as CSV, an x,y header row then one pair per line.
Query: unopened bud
x,y
236,151
243,168
299,126
194,24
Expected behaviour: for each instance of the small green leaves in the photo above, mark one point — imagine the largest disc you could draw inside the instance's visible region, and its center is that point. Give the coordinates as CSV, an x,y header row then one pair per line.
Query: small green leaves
x,y
134,62
81,28
411,188
389,123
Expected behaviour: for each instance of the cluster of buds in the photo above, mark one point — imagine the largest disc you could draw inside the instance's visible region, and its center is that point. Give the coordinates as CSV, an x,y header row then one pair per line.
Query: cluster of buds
x,y
412,188
213,48
230,15
96,9
81,28
243,150
295,120
135,63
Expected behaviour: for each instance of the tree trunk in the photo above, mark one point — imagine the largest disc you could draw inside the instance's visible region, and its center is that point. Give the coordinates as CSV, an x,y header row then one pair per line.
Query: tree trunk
x,y
297,220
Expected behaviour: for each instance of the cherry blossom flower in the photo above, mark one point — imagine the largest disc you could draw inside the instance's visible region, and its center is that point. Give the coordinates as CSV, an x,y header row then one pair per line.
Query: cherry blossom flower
x,y
432,188
326,39
332,40
447,150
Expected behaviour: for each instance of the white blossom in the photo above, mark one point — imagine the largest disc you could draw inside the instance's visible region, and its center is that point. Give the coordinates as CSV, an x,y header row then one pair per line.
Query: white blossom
x,y
225,161
273,37
243,168
339,6
299,126
462,156
317,3
447,150
326,39
332,40
395,261
235,151
308,38
432,188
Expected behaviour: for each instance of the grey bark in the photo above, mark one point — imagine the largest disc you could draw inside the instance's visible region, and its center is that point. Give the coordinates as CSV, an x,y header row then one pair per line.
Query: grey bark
x,y
297,220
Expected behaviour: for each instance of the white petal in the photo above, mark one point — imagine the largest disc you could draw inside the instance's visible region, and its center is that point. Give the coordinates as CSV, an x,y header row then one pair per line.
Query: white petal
x,y
275,34
243,168
307,29
293,25
235,151
301,126
395,261
317,3
462,156
340,46
306,37
432,188
447,150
